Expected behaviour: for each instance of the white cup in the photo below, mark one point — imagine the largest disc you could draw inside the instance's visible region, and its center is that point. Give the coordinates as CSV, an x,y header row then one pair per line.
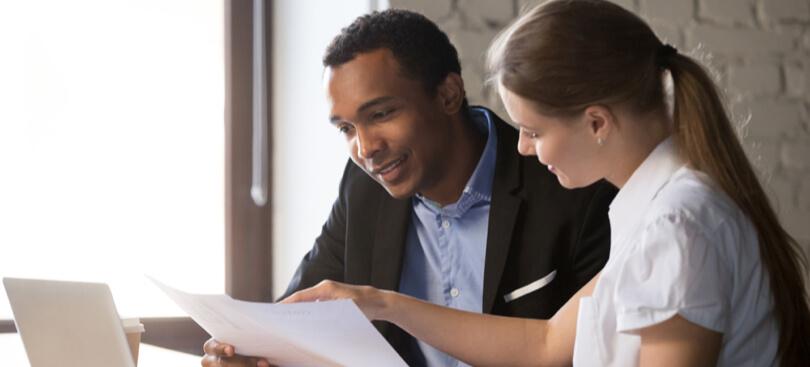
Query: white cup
x,y
133,328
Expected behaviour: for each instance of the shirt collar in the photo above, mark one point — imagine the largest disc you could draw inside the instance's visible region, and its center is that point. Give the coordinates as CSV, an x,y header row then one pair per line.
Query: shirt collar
x,y
479,186
628,207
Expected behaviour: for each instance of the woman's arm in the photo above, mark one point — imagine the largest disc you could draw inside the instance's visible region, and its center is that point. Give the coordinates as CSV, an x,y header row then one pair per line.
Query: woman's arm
x,y
474,338
678,342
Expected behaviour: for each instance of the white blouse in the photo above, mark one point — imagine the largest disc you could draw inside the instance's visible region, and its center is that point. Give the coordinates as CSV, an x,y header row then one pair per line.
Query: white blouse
x,y
679,246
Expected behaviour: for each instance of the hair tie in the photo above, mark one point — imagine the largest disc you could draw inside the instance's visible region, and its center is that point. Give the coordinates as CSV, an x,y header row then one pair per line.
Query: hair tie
x,y
664,52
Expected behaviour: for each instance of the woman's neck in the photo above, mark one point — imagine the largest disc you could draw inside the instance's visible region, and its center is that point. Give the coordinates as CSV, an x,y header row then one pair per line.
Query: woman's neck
x,y
633,145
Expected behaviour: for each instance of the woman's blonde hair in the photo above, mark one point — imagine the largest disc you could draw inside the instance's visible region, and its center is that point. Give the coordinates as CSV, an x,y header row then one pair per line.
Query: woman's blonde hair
x,y
565,55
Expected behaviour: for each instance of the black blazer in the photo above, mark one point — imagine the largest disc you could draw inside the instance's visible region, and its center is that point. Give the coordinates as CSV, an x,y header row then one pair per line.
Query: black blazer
x,y
535,227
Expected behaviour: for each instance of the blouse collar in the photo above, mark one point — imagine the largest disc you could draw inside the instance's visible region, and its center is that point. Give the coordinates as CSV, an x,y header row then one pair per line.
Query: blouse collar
x,y
629,205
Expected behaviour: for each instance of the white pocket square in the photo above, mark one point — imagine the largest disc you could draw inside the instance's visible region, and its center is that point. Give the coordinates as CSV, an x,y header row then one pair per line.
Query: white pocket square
x,y
531,287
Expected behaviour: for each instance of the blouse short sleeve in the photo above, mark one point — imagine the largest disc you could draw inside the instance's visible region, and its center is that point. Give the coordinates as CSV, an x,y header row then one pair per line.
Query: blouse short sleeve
x,y
674,268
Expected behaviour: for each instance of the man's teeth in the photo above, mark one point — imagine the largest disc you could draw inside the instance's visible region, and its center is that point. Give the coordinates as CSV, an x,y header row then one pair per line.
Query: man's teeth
x,y
391,166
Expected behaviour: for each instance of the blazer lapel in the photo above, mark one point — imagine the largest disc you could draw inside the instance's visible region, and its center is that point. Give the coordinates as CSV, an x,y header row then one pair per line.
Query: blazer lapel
x,y
390,233
503,211
389,242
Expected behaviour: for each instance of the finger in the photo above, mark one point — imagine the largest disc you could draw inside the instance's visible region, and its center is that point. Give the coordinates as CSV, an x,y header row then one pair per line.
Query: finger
x,y
210,361
209,346
215,348
293,298
306,295
239,361
325,290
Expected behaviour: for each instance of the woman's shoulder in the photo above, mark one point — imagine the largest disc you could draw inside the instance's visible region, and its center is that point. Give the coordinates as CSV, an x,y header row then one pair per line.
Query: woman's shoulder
x,y
692,197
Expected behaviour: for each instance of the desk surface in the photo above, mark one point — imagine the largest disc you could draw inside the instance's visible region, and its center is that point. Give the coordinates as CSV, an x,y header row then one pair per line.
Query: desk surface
x,y
149,356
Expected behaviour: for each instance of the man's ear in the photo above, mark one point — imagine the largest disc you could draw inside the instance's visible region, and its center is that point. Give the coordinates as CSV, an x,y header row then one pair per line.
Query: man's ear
x,y
451,93
600,121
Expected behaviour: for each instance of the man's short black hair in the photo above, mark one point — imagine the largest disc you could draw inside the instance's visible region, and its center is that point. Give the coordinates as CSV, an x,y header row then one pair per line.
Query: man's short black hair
x,y
423,51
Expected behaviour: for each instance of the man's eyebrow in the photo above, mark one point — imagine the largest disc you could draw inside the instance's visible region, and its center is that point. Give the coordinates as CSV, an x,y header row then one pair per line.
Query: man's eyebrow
x,y
374,102
334,119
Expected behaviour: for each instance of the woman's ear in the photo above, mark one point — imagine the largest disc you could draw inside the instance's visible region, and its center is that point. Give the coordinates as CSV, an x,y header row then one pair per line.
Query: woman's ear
x,y
451,93
600,121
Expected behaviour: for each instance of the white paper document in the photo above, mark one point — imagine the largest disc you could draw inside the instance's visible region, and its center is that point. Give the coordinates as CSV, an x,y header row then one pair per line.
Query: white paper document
x,y
330,333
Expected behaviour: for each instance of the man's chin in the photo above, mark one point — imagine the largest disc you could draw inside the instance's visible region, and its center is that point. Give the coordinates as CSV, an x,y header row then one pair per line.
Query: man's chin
x,y
398,191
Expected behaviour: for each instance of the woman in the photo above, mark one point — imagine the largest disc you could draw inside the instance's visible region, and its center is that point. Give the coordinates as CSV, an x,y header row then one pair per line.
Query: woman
x,y
700,270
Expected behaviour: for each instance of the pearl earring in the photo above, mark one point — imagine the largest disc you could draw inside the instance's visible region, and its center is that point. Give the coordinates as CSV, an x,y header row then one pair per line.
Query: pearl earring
x,y
600,141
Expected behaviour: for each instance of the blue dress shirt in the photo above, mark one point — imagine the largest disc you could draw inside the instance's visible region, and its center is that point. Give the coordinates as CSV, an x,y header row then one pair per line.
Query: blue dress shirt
x,y
446,246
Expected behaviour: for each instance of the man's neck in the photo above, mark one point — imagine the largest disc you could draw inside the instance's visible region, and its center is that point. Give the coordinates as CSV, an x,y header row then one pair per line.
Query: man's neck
x,y
469,145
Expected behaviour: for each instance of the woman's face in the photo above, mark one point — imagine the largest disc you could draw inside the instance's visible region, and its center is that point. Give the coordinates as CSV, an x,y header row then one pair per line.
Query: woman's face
x,y
567,146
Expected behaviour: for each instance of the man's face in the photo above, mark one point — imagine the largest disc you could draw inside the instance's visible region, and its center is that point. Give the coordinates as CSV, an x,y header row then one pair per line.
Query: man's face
x,y
395,130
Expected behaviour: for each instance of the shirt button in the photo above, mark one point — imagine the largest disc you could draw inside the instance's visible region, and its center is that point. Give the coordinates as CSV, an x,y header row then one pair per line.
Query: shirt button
x,y
446,224
455,292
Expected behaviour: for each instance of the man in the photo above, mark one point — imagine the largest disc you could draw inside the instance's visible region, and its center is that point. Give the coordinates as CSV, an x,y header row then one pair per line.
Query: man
x,y
437,203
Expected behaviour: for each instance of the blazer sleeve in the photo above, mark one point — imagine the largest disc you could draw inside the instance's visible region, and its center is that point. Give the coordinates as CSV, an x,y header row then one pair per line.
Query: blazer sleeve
x,y
326,258
592,247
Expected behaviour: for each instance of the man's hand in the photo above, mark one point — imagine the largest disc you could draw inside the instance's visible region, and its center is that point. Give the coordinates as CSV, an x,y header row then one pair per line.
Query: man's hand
x,y
223,355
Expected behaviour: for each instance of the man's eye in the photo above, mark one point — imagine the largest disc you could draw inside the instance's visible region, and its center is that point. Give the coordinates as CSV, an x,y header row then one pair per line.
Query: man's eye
x,y
381,114
344,129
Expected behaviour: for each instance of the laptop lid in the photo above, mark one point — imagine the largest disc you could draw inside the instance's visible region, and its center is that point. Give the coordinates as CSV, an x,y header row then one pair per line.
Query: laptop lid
x,y
68,324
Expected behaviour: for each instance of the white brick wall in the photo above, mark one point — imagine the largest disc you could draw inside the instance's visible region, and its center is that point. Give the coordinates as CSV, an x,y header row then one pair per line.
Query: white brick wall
x,y
773,118
761,79
780,10
804,193
671,11
758,49
797,78
733,41
727,12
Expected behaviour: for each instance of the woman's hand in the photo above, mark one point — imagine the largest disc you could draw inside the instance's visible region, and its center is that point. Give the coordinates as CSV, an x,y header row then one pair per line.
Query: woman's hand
x,y
471,337
373,302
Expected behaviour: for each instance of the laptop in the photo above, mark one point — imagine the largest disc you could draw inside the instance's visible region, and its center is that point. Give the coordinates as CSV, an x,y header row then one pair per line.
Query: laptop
x,y
68,324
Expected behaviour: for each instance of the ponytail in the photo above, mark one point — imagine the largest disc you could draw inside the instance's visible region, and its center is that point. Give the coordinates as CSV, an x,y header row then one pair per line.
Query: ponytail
x,y
707,140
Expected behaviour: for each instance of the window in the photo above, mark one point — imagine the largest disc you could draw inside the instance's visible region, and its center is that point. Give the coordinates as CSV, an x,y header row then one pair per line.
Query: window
x,y
112,146
126,147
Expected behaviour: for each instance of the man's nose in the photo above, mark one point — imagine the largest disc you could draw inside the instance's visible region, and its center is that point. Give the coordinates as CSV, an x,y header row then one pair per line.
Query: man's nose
x,y
368,143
